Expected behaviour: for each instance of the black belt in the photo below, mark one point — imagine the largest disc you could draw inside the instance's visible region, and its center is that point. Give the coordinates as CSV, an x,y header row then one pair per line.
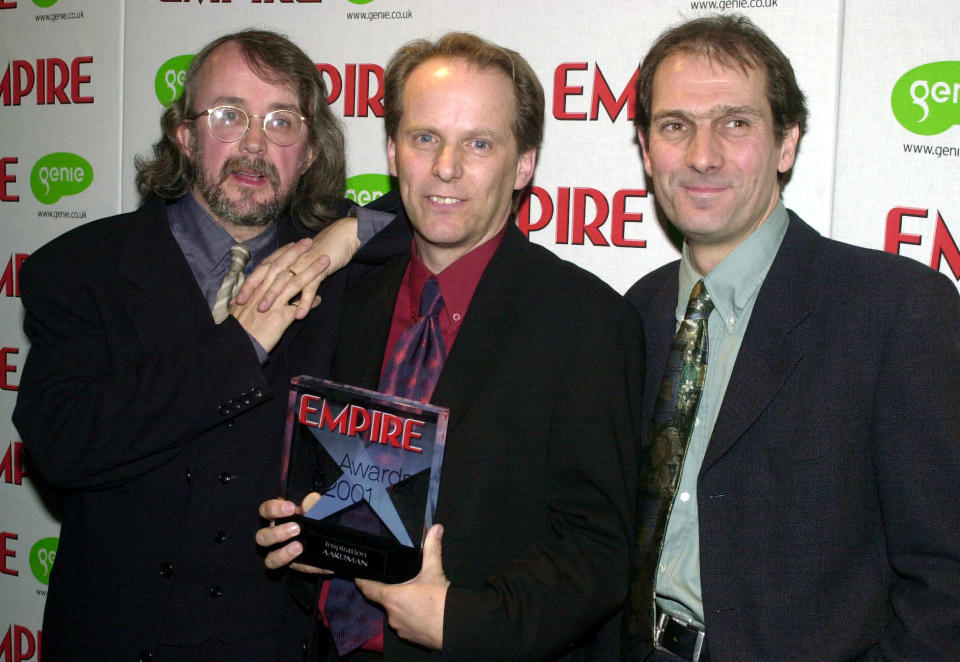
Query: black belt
x,y
680,638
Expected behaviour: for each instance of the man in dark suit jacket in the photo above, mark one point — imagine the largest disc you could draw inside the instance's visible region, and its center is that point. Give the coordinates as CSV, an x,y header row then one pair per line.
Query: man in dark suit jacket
x,y
538,478
815,517
161,427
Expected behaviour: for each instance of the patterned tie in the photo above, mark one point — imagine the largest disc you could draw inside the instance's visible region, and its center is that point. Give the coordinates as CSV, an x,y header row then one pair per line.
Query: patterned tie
x,y
673,418
232,282
411,372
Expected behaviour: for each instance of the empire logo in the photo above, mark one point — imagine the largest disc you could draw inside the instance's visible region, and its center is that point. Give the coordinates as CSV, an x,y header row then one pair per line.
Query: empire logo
x,y
942,247
10,278
20,644
49,77
7,178
564,108
8,4
361,94
14,466
567,212
7,368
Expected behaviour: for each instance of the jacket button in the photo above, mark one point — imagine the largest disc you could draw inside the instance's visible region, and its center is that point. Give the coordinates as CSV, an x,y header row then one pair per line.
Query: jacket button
x,y
224,410
219,536
257,393
146,656
215,591
166,570
225,477
188,475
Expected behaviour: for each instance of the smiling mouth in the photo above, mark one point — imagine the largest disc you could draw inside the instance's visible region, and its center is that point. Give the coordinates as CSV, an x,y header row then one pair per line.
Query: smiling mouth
x,y
442,200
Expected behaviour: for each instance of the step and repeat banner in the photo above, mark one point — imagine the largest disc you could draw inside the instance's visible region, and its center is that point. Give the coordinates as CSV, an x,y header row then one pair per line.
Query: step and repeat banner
x,y
84,85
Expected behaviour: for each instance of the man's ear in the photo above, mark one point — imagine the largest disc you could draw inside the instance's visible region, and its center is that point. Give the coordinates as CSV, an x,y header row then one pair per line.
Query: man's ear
x,y
392,155
646,154
788,148
525,166
185,138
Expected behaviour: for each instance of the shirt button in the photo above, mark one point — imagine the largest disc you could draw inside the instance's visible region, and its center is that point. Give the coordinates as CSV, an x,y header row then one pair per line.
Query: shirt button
x,y
684,496
219,536
166,570
225,477
215,591
663,568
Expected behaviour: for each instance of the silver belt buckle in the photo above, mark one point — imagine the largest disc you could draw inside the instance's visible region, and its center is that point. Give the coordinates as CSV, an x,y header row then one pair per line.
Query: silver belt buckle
x,y
663,618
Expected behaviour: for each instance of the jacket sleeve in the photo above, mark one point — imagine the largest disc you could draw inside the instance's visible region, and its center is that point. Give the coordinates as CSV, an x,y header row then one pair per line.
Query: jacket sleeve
x,y
109,392
916,453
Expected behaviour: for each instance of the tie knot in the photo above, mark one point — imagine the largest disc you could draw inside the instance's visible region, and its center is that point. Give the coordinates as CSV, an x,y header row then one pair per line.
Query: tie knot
x,y
239,254
431,301
700,304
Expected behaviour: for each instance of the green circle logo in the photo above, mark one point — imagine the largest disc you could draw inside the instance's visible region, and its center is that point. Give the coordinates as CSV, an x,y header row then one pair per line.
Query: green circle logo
x,y
363,189
42,555
361,2
168,83
59,174
926,99
44,3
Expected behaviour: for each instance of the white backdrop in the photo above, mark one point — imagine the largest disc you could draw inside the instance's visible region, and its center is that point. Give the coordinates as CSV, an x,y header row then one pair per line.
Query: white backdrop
x,y
83,88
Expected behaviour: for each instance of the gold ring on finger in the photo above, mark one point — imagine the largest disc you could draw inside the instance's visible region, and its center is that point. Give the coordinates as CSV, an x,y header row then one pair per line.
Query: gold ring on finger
x,y
292,272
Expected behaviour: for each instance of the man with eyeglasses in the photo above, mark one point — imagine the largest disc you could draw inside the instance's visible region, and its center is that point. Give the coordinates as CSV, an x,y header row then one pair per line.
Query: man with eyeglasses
x,y
153,401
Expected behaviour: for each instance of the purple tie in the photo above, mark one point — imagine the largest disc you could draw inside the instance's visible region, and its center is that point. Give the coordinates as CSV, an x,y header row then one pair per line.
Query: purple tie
x,y
411,372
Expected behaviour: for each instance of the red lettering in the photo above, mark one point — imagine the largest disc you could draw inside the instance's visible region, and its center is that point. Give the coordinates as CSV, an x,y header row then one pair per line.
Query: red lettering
x,y
77,79
305,410
10,280
580,226
359,420
6,367
561,90
945,247
21,88
349,91
523,213
603,95
5,551
7,179
12,467
392,430
894,235
366,102
622,216
55,88
19,644
4,4
338,423
410,433
336,83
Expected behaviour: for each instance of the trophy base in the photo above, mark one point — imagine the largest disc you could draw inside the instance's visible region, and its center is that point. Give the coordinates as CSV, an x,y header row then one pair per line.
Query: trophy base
x,y
350,553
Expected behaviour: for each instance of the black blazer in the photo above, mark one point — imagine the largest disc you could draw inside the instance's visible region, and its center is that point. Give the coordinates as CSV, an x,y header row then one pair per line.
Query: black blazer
x,y
830,491
538,481
163,432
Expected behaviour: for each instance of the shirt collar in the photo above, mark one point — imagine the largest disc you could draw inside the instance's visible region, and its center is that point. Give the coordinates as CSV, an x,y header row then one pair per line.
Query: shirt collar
x,y
458,281
200,236
736,279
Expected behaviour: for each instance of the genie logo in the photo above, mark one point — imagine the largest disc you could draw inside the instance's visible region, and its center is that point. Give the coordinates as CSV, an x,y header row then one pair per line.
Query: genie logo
x,y
926,99
364,189
59,174
42,555
361,2
45,3
169,81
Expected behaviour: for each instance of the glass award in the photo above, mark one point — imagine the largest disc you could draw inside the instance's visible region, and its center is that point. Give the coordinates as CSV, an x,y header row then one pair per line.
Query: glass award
x,y
375,459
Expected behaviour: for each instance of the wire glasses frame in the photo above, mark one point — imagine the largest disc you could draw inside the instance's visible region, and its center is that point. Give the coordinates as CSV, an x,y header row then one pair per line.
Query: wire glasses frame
x,y
229,124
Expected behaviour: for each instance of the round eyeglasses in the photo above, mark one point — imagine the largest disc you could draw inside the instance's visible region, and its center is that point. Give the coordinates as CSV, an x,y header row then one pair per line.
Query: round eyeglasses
x,y
229,124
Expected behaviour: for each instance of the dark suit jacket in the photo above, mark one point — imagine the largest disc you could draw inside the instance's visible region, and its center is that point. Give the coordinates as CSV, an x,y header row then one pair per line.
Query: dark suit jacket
x,y
830,492
163,432
537,488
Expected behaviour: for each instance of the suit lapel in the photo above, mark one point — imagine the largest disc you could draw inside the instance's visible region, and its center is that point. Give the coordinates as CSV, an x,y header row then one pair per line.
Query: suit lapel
x,y
775,342
475,354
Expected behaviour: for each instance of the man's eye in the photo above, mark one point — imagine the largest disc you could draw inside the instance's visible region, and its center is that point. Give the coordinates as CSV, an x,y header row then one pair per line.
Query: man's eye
x,y
737,123
480,145
672,127
423,138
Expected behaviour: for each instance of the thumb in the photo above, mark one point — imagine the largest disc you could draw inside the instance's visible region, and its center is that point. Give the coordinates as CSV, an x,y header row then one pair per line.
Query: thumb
x,y
432,566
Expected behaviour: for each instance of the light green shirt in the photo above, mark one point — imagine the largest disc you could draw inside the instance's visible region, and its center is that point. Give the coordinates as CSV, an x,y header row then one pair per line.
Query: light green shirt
x,y
732,285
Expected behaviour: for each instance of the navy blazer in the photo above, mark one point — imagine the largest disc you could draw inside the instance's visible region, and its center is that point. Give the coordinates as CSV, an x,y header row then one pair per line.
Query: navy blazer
x,y
829,496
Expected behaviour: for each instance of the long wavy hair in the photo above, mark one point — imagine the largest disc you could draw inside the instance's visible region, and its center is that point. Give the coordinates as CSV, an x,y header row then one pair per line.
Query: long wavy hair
x,y
277,60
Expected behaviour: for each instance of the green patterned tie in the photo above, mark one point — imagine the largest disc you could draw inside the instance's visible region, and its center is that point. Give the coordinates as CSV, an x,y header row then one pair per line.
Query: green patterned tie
x,y
673,418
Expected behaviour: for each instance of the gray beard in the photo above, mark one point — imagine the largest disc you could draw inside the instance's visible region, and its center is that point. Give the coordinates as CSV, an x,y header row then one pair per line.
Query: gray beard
x,y
245,212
